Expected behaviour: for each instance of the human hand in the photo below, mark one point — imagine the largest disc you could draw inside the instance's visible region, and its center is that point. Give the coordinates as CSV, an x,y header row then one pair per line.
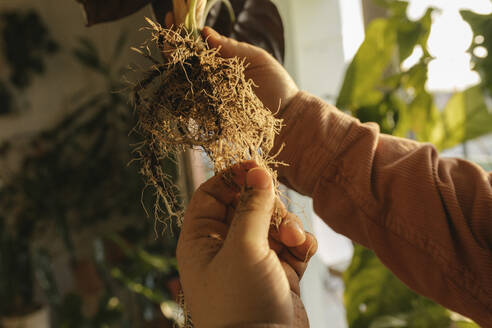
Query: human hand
x,y
233,272
275,87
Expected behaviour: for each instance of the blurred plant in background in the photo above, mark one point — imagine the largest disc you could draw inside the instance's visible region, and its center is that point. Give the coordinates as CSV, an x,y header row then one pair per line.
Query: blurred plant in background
x,y
26,42
68,191
377,89
71,183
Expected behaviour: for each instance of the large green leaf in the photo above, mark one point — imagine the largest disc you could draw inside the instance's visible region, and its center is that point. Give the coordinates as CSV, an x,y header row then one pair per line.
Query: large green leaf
x,y
482,28
374,297
364,73
369,77
465,117
412,33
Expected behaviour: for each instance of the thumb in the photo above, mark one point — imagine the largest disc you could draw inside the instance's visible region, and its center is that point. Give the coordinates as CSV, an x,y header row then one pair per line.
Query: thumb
x,y
251,221
229,47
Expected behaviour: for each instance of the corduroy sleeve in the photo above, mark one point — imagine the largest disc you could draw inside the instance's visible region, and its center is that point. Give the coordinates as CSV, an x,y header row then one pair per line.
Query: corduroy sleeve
x,y
429,219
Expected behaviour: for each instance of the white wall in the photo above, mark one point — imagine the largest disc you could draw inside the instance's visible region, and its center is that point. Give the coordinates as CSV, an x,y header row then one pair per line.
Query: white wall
x,y
64,75
321,36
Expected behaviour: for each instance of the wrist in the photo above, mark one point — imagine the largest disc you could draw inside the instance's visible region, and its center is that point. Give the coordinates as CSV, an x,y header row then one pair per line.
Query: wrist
x,y
311,135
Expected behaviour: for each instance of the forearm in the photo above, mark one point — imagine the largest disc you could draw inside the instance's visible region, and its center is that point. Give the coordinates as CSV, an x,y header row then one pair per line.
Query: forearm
x,y
428,219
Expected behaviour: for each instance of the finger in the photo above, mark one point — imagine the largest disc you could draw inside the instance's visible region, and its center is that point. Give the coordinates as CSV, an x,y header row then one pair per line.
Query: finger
x,y
205,229
205,205
282,211
212,198
305,251
202,242
251,222
297,265
169,19
291,232
276,246
292,277
229,47
225,185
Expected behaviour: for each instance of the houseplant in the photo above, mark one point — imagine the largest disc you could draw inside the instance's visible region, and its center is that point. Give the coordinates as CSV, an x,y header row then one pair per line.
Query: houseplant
x,y
26,44
398,101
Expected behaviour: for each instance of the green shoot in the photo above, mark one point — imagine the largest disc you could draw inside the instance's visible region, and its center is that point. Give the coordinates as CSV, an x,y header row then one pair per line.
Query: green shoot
x,y
190,20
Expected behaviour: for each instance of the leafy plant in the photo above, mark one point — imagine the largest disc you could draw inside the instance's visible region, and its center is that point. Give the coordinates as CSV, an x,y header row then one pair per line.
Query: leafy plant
x,y
482,30
26,43
377,89
256,21
70,177
26,40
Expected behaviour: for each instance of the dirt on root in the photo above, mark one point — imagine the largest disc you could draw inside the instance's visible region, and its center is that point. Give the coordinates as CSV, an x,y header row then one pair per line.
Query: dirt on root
x,y
191,97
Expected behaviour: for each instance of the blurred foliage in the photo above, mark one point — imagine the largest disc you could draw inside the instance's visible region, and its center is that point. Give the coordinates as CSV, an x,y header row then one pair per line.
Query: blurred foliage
x,y
71,313
482,30
374,88
25,42
6,99
375,298
72,178
377,89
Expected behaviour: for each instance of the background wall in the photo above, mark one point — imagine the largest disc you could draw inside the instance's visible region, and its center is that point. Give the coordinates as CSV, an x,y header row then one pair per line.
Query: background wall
x,y
321,36
50,97
41,108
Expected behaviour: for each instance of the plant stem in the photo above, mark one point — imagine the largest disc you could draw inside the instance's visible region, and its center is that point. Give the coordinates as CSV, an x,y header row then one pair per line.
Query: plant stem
x,y
211,4
190,20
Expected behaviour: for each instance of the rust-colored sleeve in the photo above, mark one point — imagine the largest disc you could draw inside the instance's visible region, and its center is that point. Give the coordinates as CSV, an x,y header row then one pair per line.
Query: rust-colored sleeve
x,y
429,219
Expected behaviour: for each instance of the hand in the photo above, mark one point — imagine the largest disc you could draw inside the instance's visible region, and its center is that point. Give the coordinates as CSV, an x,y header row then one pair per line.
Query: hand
x,y
275,86
232,273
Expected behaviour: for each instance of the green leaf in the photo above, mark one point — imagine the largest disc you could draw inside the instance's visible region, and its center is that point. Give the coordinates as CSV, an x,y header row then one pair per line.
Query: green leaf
x,y
465,117
389,321
373,295
153,295
481,26
421,120
162,264
119,45
88,55
465,324
412,33
365,72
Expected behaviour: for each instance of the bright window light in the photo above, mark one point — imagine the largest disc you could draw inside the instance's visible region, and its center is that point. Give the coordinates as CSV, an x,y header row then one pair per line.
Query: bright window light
x,y
450,37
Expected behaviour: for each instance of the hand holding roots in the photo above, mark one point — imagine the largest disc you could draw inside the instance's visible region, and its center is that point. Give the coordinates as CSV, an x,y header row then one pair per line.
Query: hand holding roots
x,y
193,98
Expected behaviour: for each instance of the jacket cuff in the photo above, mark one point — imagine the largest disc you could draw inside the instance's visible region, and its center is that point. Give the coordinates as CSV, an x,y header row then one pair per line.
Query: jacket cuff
x,y
311,135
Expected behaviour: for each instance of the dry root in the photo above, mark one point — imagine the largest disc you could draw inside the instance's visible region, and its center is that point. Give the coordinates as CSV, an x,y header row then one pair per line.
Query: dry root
x,y
191,97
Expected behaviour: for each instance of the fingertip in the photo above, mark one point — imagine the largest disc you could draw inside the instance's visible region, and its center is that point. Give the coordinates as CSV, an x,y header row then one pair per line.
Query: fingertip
x,y
258,178
212,36
307,249
292,234
208,31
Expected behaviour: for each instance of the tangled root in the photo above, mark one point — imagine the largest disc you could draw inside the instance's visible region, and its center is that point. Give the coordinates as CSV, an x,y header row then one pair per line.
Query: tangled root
x,y
193,98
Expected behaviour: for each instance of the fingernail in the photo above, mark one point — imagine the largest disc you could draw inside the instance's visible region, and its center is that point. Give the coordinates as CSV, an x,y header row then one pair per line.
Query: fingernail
x,y
258,178
294,226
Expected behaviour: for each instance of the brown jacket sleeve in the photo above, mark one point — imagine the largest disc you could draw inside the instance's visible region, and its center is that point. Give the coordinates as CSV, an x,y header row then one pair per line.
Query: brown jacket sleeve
x,y
429,219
